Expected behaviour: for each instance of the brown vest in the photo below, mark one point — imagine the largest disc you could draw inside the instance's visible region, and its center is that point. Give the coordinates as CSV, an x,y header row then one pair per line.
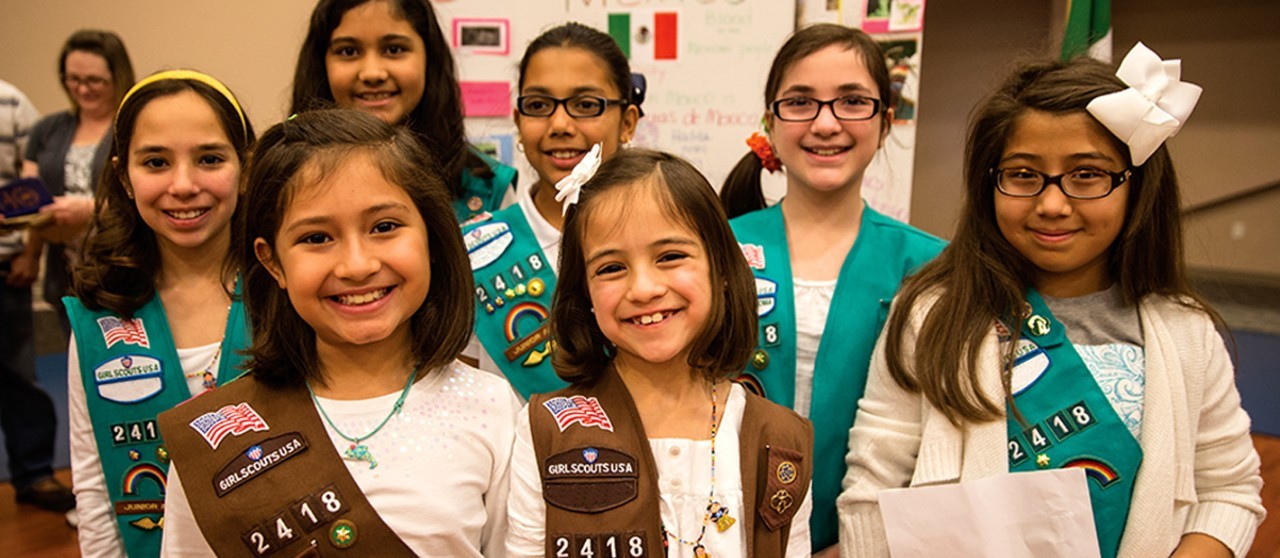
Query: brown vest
x,y
600,482
273,485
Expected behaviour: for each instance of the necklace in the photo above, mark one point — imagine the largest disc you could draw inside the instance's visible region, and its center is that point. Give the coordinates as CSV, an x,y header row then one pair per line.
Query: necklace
x,y
715,511
209,378
359,451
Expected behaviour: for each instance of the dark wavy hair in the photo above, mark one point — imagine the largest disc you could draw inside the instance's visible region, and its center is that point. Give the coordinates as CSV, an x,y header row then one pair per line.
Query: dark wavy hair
x,y
590,39
741,191
729,336
288,158
107,45
981,278
120,258
437,120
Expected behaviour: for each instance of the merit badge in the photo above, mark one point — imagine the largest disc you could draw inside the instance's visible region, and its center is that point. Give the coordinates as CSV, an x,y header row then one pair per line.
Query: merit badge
x,y
760,359
147,524
342,534
134,478
1038,325
590,480
257,459
786,472
231,420
580,410
486,243
121,330
474,203
766,296
1030,362
781,501
754,254
129,378
1102,473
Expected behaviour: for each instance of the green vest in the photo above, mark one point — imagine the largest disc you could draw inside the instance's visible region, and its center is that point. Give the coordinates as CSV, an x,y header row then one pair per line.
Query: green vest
x,y
483,194
131,373
514,282
885,252
1070,423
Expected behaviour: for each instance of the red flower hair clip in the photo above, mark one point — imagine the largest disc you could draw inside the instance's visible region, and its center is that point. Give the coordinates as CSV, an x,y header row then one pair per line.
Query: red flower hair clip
x,y
760,146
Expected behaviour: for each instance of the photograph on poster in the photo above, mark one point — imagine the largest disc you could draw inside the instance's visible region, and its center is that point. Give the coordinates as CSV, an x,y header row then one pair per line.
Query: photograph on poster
x,y
482,36
885,16
499,146
904,76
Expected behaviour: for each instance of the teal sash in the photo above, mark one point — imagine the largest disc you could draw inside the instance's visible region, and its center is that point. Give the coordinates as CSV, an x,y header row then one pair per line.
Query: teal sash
x,y
885,252
483,194
131,373
1070,423
514,281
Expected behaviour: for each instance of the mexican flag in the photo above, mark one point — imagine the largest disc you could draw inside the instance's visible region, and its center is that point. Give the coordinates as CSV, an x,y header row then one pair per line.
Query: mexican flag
x,y
1088,30
645,36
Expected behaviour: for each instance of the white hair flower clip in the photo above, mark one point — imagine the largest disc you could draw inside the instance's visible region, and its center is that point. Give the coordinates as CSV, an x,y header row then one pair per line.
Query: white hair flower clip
x,y
569,187
1152,109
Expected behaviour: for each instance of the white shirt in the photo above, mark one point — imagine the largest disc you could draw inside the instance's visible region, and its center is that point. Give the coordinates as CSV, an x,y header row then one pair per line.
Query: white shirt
x,y
98,532
684,482
548,238
813,303
441,480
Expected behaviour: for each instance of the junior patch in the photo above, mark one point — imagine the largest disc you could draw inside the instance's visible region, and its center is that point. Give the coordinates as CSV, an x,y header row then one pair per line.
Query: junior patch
x,y
589,479
129,378
258,459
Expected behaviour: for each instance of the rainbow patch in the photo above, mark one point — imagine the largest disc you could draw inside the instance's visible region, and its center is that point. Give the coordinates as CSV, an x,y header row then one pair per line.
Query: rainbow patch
x,y
519,311
143,471
751,384
1096,470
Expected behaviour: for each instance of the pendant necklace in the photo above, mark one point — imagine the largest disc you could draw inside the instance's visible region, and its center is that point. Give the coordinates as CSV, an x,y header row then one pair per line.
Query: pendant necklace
x,y
715,512
359,451
209,376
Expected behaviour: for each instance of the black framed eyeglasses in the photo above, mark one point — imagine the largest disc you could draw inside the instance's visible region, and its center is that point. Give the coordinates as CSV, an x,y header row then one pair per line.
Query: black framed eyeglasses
x,y
578,106
92,82
1085,183
804,109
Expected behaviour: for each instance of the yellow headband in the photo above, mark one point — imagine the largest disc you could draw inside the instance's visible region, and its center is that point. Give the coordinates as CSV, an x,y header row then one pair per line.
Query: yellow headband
x,y
193,76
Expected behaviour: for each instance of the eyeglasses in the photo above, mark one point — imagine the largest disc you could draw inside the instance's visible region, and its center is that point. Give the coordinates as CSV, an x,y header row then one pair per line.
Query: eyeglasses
x,y
1081,184
804,109
578,106
92,82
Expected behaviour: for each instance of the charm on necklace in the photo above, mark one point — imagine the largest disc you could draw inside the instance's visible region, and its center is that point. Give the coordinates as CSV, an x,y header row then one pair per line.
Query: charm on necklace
x,y
720,516
360,452
701,552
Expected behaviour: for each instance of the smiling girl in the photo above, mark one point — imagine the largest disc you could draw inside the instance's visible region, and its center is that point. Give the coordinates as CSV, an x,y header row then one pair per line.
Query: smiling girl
x,y
155,312
652,449
1058,329
826,264
575,93
355,414
389,58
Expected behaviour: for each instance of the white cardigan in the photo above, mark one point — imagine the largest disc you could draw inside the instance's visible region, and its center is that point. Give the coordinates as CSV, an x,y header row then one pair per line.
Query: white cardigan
x,y
1199,474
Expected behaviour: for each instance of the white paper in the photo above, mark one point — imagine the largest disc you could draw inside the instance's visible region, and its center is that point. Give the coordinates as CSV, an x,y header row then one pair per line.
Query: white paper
x,y
1041,514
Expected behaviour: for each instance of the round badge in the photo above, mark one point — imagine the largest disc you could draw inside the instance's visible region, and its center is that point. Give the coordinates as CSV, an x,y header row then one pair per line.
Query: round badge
x,y
760,359
1038,325
536,287
786,472
474,203
342,534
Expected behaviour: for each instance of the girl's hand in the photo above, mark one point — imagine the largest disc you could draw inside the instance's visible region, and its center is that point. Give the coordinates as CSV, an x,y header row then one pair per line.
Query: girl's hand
x,y
71,216
1200,545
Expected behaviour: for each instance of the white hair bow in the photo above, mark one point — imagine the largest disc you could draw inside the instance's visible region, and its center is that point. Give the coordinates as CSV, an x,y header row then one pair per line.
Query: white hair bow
x,y
1154,106
569,187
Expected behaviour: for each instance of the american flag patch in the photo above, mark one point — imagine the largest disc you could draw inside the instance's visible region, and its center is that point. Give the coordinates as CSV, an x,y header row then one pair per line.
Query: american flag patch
x,y
229,420
754,254
116,330
578,409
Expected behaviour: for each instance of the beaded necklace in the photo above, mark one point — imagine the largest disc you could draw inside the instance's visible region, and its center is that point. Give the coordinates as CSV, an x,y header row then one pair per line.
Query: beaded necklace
x,y
714,510
359,451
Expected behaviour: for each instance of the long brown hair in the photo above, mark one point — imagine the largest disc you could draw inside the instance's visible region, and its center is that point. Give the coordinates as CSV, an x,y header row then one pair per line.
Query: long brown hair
x,y
309,145
980,278
437,120
726,340
120,258
741,191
